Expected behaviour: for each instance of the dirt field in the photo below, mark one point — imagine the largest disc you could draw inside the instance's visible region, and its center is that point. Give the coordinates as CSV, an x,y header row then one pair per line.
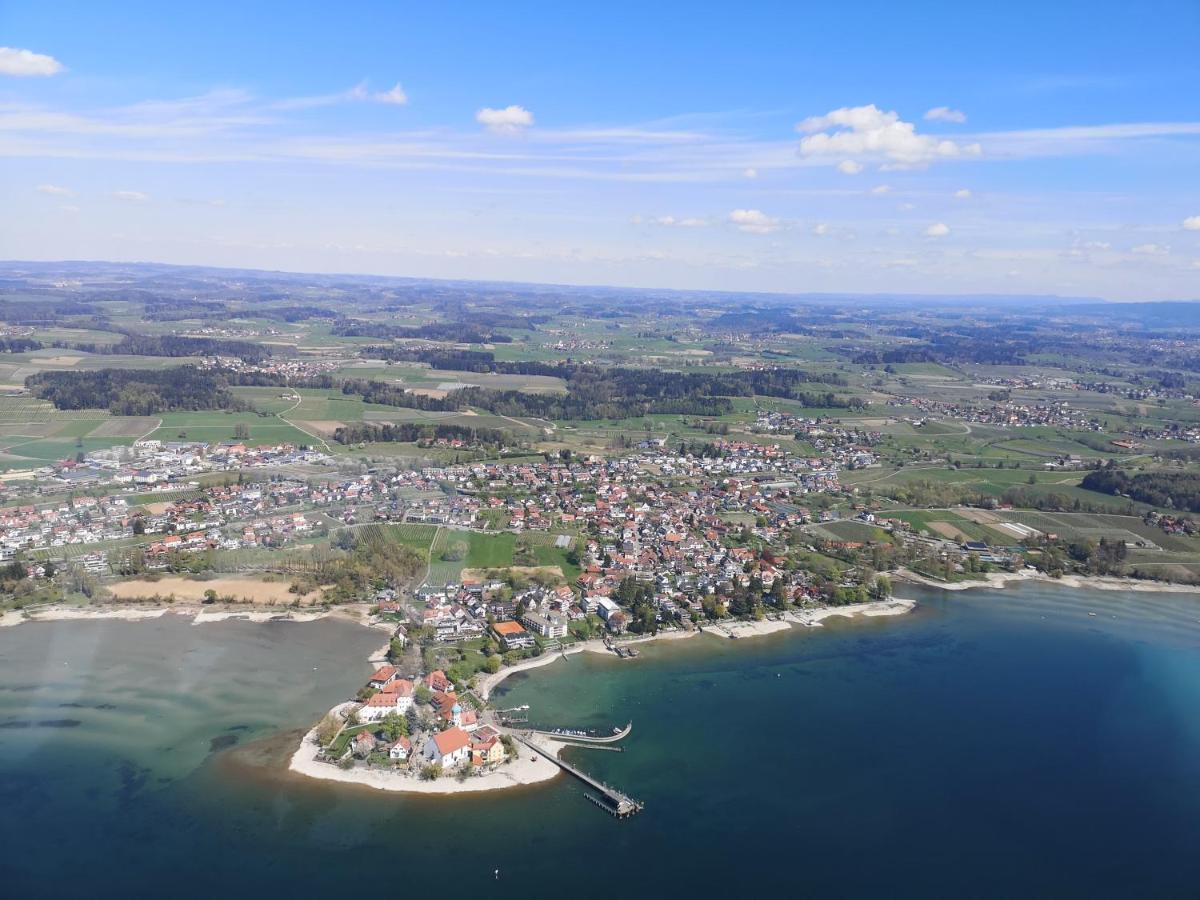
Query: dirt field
x,y
323,427
979,516
947,530
243,590
132,426
480,574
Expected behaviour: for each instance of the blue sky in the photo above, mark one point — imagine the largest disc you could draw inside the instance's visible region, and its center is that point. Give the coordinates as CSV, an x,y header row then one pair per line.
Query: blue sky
x,y
873,147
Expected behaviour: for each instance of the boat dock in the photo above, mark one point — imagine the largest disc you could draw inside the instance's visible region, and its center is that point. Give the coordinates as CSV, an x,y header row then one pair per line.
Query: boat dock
x,y
611,800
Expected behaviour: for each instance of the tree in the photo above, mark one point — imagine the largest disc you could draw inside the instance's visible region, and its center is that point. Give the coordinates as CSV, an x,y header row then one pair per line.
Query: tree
x,y
882,588
328,730
241,431
492,665
394,726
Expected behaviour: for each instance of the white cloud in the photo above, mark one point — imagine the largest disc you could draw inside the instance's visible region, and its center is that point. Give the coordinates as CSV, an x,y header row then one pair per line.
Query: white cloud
x,y
24,63
677,222
937,230
1192,223
821,229
55,190
945,114
849,167
881,189
1151,250
394,97
509,120
131,196
751,173
962,194
753,221
867,131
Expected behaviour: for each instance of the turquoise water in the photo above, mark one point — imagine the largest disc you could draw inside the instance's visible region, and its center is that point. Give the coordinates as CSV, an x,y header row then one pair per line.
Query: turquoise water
x,y
992,744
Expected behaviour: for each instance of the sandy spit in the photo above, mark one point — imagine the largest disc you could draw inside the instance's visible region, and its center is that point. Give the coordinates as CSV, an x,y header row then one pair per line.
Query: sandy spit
x,y
1097,582
527,768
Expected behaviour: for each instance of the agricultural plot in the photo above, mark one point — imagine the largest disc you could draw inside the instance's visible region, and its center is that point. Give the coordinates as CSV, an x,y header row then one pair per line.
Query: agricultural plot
x,y
125,427
484,551
215,427
31,409
948,524
849,530
1087,526
416,535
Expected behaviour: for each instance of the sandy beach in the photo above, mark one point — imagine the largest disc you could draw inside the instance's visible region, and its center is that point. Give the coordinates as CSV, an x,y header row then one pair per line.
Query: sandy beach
x,y
199,614
1095,582
812,618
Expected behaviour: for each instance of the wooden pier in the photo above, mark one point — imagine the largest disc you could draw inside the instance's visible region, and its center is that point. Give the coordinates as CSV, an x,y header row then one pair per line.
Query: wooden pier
x,y
611,800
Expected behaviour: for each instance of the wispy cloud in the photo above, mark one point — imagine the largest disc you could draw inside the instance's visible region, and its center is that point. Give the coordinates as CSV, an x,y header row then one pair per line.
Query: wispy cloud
x,y
233,126
130,196
945,114
55,190
393,97
359,93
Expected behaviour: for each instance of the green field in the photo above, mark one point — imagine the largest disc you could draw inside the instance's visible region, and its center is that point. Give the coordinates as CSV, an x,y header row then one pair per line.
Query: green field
x,y
484,551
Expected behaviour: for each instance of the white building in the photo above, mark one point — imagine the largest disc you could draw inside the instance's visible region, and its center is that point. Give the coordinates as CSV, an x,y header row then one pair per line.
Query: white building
x,y
448,748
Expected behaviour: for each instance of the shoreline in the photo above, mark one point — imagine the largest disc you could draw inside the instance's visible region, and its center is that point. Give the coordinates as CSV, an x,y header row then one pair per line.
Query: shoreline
x,y
533,768
199,614
1000,580
528,768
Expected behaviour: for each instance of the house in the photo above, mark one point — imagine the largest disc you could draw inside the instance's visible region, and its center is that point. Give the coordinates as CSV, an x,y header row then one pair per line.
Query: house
x,y
363,744
437,681
448,748
486,747
512,636
383,675
400,749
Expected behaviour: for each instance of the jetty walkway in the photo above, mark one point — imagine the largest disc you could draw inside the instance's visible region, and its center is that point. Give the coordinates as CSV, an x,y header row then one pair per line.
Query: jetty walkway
x,y
611,800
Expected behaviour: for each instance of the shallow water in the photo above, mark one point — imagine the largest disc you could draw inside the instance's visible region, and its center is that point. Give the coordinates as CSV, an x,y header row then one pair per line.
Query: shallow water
x,y
992,744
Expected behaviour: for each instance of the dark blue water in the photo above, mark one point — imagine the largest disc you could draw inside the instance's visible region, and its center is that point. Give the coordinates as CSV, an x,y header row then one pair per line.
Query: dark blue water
x,y
996,744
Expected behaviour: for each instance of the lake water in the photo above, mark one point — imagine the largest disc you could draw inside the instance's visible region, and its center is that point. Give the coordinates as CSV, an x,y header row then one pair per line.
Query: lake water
x,y
992,744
